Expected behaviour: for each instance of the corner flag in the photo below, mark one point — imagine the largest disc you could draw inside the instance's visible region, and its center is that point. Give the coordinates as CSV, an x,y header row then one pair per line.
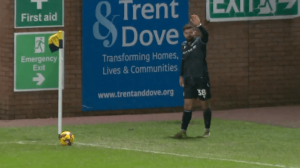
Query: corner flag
x,y
56,41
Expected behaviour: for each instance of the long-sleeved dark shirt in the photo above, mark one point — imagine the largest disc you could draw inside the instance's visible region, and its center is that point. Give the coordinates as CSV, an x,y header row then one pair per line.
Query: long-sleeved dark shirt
x,y
194,56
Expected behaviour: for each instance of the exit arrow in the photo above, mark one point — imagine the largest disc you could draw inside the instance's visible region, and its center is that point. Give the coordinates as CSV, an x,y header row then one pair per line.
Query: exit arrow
x,y
40,79
290,5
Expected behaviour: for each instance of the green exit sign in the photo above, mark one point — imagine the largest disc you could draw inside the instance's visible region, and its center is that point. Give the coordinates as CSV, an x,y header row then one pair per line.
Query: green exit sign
x,y
35,66
242,10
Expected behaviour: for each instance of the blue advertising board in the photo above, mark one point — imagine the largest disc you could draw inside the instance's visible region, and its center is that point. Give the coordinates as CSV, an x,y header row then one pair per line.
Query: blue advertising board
x,y
131,53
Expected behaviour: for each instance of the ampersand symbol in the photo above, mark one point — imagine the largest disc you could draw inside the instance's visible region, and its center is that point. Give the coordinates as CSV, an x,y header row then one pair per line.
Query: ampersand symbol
x,y
125,71
106,23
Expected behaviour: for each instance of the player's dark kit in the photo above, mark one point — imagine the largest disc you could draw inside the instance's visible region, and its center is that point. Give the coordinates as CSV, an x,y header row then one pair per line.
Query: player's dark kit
x,y
194,67
194,70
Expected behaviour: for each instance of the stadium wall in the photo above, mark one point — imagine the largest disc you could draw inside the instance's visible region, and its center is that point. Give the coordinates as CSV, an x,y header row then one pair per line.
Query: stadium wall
x,y
251,64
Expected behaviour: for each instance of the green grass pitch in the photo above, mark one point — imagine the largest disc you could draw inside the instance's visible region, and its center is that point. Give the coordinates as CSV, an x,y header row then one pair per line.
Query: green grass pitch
x,y
232,144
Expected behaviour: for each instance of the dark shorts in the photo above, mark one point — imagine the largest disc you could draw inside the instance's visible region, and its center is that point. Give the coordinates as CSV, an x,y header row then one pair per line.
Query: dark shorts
x,y
196,88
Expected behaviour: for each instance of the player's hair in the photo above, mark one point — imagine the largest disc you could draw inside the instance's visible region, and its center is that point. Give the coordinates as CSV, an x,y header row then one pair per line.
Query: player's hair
x,y
188,26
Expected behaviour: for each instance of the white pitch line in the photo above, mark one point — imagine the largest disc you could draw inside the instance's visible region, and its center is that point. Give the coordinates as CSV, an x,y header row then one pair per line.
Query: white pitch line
x,y
174,154
163,153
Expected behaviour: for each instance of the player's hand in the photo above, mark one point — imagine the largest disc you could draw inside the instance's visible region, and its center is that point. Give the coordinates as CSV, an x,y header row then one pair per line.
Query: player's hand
x,y
181,83
195,20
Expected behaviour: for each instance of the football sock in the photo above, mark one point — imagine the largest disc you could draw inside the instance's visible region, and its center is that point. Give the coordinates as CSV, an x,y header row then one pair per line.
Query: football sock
x,y
186,118
207,118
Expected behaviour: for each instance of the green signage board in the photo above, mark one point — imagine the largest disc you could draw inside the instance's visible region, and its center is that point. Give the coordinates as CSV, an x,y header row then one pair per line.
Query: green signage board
x,y
35,67
39,13
243,10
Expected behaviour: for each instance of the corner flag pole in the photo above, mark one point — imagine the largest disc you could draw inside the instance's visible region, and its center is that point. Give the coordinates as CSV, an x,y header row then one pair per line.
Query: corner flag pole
x,y
60,96
56,43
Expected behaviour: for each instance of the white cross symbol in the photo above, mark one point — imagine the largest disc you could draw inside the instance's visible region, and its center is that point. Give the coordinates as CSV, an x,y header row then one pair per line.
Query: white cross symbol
x,y
39,3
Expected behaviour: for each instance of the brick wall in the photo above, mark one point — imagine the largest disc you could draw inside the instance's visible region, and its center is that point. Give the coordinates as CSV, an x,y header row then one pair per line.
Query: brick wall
x,y
5,59
250,63
274,63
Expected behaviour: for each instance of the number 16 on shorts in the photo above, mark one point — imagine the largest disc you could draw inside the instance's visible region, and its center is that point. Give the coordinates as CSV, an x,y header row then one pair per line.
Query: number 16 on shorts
x,y
202,92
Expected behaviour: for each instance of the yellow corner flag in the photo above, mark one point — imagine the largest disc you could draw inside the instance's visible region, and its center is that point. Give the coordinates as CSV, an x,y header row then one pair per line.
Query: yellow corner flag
x,y
56,41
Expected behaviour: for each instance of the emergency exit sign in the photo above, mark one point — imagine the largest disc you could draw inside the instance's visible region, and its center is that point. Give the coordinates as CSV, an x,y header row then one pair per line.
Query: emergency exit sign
x,y
36,67
242,10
